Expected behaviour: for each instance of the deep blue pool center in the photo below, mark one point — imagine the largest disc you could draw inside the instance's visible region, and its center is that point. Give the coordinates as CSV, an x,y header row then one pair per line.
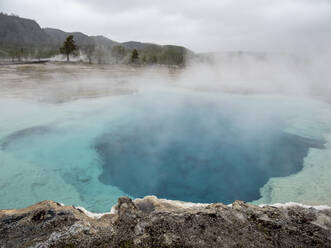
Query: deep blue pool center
x,y
200,150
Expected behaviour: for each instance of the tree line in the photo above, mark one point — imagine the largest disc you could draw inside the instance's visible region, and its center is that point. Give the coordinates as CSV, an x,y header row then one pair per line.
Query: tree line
x,y
153,54
97,54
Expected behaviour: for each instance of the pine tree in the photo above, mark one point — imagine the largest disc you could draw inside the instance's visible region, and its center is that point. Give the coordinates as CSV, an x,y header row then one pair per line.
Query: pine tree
x,y
134,56
69,46
154,59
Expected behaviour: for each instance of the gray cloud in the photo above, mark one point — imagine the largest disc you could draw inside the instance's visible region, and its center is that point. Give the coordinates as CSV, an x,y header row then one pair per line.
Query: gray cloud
x,y
209,25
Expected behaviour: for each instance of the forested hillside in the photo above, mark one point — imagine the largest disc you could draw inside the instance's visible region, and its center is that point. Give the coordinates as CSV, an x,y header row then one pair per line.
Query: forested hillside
x,y
22,38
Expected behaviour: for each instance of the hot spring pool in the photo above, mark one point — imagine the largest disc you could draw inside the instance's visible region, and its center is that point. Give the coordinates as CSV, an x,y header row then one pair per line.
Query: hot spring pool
x,y
183,145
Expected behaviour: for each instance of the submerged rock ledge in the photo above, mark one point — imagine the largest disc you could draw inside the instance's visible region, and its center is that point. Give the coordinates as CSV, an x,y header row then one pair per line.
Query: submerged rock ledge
x,y
152,222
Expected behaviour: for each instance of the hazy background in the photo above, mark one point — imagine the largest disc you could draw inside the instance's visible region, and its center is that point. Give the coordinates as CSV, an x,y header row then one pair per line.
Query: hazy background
x,y
295,26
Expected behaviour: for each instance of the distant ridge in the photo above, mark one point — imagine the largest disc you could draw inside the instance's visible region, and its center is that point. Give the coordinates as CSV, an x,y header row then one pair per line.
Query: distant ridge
x,y
104,41
58,36
137,45
17,31
21,31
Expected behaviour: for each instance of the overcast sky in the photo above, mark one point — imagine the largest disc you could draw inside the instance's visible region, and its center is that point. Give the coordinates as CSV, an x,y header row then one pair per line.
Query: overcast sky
x,y
201,25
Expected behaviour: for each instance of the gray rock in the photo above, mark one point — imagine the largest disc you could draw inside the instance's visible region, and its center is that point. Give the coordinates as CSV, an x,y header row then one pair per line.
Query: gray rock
x,y
152,222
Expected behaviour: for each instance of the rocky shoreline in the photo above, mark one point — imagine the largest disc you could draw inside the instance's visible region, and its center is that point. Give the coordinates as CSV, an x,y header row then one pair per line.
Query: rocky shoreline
x,y
152,222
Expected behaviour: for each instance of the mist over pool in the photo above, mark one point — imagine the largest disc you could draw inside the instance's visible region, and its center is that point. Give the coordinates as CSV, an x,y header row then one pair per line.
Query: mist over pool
x,y
173,143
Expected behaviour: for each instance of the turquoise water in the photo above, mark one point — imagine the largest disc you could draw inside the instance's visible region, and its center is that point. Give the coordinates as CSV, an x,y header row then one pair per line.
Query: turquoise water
x,y
199,147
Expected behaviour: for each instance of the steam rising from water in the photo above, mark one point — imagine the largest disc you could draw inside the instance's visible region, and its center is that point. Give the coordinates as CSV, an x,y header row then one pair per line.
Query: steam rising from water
x,y
201,147
179,135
